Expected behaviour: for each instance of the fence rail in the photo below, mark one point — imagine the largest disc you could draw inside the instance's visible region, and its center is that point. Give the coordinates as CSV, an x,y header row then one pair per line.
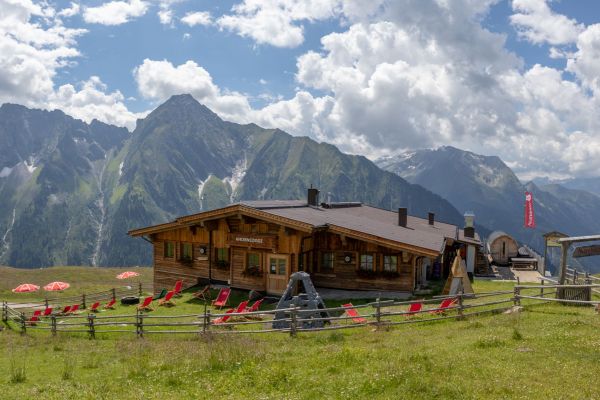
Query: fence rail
x,y
85,299
376,314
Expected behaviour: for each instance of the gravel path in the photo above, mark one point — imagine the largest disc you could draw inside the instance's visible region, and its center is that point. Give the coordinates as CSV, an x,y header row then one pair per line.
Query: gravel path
x,y
511,274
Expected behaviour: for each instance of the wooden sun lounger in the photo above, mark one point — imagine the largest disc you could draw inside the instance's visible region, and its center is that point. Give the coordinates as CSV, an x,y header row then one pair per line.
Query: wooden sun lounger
x,y
167,301
146,305
352,313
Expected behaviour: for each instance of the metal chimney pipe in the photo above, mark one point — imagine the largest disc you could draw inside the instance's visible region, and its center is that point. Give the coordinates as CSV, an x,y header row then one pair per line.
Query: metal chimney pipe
x,y
402,216
313,197
431,217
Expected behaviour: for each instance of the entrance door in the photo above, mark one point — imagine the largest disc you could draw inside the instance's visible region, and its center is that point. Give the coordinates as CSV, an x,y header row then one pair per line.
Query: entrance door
x,y
278,272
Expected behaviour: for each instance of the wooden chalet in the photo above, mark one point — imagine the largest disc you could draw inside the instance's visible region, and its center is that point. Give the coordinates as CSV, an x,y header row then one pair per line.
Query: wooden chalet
x,y
258,244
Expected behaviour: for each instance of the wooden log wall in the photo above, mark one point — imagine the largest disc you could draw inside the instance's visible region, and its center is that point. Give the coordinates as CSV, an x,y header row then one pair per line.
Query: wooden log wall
x,y
168,270
346,275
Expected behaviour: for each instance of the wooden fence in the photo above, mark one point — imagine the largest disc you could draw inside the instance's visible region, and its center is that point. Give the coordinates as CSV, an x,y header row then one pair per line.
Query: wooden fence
x,y
85,299
378,314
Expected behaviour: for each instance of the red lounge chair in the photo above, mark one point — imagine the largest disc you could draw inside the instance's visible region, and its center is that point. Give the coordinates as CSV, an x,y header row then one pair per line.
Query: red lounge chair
x,y
94,307
35,317
414,308
177,288
241,308
222,298
352,313
74,309
224,318
201,294
166,301
47,311
254,306
444,306
65,310
145,306
110,305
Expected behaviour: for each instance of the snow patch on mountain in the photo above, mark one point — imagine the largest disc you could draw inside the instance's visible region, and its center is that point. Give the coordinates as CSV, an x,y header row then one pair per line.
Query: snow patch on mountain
x,y
31,167
201,189
237,174
6,171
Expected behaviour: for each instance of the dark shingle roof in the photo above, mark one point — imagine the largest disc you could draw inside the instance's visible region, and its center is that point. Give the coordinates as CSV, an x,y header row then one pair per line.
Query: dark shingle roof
x,y
373,221
377,223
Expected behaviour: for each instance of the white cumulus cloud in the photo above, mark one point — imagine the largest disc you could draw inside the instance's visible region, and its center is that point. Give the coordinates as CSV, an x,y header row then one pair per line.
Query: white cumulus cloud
x,y
277,22
536,22
197,18
158,80
115,12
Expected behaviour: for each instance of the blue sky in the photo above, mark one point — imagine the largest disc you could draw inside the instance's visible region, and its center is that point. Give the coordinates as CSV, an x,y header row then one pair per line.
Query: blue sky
x,y
514,78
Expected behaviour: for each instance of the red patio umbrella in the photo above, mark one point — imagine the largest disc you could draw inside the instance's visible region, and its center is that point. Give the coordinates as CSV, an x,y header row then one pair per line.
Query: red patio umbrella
x,y
127,274
56,286
26,287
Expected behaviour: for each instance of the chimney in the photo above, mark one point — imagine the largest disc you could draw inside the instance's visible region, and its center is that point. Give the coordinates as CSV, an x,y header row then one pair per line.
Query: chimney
x,y
431,217
402,216
313,196
469,224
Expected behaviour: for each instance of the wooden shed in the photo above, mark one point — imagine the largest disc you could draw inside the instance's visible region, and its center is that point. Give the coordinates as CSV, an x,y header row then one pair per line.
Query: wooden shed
x,y
258,244
502,247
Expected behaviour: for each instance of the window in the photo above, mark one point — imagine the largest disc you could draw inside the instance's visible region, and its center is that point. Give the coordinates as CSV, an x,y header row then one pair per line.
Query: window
x,y
222,254
253,261
186,251
366,262
327,262
169,250
278,266
390,263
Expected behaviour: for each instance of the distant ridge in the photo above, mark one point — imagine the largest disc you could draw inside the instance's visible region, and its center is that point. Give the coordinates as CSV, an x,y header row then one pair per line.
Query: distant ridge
x,y
487,186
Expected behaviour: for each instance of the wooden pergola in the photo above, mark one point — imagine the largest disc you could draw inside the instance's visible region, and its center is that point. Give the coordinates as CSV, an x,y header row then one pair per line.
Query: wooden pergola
x,y
565,243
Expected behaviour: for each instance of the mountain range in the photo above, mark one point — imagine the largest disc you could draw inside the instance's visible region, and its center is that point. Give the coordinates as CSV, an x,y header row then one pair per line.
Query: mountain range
x,y
70,191
489,188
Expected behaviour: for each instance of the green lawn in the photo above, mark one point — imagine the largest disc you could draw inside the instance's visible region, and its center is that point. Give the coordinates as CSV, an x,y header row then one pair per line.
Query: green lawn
x,y
82,280
548,351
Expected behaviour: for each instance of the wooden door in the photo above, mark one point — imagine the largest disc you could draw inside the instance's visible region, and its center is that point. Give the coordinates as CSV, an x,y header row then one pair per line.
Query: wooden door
x,y
278,272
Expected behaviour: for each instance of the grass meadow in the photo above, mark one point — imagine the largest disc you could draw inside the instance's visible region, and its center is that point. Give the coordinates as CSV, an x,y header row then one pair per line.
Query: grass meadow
x,y
548,351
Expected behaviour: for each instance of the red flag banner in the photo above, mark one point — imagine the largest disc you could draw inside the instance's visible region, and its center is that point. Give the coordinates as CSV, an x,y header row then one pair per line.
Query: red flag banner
x,y
529,215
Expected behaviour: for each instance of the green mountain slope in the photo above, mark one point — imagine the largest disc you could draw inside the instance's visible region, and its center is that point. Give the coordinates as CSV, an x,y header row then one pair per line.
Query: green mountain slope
x,y
89,190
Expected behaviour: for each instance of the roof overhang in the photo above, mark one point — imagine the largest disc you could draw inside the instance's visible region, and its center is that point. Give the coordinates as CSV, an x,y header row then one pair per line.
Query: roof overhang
x,y
229,211
382,241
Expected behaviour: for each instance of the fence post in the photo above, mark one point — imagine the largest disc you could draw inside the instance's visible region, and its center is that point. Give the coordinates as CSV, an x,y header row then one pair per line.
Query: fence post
x,y
575,277
91,329
23,324
140,324
46,302
293,322
4,311
588,280
140,289
542,289
114,294
517,295
206,326
460,305
53,324
83,300
378,314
